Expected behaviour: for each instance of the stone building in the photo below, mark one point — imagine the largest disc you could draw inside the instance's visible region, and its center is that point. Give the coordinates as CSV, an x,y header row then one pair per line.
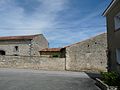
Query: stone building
x,y
88,55
112,14
52,52
22,45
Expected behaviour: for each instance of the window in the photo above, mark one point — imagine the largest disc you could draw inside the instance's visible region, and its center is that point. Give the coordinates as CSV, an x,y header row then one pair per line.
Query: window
x,y
16,48
2,52
88,45
117,21
95,42
118,55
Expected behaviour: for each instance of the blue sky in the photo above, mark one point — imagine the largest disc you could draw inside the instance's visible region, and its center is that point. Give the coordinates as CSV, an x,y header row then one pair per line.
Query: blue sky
x,y
63,22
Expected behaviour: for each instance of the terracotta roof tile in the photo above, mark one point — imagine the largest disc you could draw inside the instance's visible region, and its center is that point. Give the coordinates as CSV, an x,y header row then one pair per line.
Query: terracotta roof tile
x,y
51,49
28,37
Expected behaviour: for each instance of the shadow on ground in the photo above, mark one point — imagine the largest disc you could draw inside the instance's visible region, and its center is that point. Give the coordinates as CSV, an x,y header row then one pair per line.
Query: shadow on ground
x,y
93,75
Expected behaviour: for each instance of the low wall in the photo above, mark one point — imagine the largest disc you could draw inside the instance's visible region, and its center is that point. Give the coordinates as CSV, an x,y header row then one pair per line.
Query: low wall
x,y
26,62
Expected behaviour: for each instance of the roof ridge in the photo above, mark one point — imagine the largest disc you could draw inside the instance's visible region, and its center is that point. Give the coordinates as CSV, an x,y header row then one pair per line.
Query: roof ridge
x,y
18,37
21,35
85,40
51,49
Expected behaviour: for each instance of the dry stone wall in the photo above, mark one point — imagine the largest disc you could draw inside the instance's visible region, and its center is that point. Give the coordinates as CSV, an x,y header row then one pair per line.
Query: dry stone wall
x,y
39,63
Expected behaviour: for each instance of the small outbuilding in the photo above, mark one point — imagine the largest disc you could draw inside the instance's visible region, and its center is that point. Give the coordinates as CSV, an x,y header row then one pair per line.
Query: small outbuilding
x,y
52,52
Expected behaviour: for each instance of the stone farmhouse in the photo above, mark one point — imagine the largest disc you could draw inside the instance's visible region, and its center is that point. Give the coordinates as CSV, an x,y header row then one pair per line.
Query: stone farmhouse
x,y
87,55
22,45
28,52
112,14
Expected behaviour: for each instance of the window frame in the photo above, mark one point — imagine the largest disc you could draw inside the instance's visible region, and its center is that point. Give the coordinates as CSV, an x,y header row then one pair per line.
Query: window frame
x,y
118,55
115,21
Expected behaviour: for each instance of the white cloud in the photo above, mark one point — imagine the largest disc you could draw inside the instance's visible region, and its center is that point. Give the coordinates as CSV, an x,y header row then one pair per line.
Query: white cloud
x,y
15,17
15,20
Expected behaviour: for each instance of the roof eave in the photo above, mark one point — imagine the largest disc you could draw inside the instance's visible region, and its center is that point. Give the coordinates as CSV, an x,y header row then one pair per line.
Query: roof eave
x,y
27,37
109,7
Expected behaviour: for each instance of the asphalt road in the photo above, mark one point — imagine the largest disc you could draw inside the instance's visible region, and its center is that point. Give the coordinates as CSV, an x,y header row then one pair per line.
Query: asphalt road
x,y
20,79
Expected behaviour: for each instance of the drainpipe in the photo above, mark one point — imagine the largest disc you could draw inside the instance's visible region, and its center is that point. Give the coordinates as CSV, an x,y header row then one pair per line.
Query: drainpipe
x,y
30,49
65,60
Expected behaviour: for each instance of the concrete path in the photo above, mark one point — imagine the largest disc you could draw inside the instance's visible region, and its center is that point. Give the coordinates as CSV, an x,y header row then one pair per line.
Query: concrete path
x,y
21,79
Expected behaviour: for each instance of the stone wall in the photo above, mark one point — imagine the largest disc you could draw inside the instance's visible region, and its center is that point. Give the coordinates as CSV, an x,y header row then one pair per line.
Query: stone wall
x,y
26,62
9,47
38,43
88,55
26,47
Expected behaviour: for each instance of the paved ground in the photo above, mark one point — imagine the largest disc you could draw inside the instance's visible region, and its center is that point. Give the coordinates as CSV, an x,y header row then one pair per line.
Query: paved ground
x,y
15,79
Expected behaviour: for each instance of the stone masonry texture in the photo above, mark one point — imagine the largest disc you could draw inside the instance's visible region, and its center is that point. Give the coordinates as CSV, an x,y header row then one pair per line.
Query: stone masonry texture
x,y
25,47
26,62
88,55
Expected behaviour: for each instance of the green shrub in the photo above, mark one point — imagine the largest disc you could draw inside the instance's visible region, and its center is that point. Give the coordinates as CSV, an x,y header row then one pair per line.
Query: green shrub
x,y
111,78
55,55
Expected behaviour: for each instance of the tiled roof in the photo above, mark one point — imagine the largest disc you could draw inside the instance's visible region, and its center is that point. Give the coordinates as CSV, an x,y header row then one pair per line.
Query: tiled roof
x,y
28,37
51,49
